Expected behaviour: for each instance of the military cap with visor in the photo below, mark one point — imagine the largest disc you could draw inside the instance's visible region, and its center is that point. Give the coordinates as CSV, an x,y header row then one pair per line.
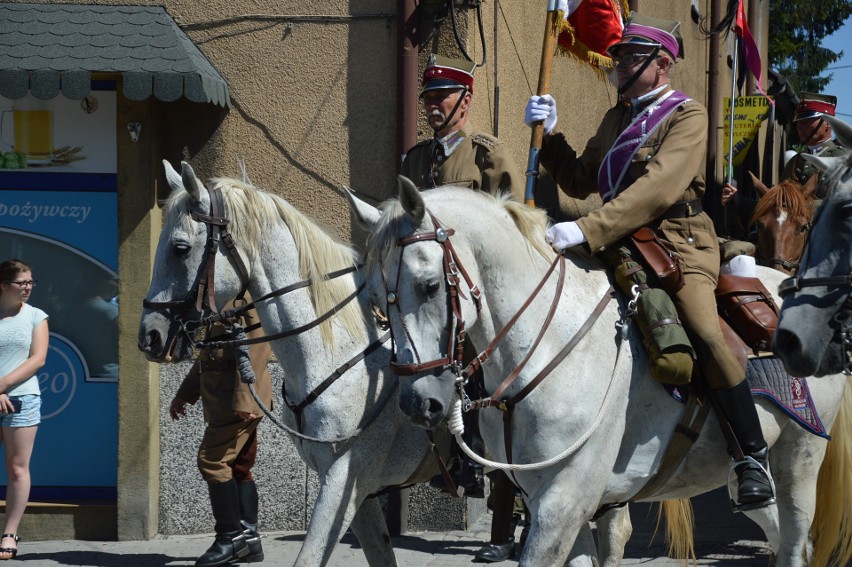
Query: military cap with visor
x,y
445,73
650,32
813,105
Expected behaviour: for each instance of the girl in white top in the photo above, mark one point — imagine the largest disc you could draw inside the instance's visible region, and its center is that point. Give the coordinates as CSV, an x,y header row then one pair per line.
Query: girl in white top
x,y
23,349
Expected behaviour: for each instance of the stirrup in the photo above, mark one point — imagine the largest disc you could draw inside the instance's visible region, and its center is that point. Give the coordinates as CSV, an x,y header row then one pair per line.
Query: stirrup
x,y
732,473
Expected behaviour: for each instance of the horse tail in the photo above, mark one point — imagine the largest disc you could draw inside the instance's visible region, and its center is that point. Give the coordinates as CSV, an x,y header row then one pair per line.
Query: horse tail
x,y
679,528
832,525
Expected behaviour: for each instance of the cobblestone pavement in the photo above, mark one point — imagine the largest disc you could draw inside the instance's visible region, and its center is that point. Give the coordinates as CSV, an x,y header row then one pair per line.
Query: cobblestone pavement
x,y
722,539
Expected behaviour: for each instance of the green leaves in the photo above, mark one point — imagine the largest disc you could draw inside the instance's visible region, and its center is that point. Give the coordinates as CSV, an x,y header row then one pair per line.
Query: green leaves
x,y
796,31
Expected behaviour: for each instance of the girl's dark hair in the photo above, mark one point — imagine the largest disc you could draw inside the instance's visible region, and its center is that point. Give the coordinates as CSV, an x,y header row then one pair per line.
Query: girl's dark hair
x,y
10,269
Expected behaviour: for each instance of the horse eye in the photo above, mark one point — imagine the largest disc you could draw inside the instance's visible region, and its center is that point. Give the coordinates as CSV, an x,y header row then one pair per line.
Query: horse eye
x,y
432,288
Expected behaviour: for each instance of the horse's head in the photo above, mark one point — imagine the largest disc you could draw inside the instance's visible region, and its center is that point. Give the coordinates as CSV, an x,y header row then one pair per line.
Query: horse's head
x,y
783,219
813,334
422,275
193,271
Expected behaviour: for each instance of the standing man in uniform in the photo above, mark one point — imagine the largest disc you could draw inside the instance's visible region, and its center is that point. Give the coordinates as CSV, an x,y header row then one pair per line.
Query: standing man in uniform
x,y
647,161
229,446
459,154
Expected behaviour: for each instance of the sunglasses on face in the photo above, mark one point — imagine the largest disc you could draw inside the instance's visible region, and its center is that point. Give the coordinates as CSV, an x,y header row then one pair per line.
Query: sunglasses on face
x,y
23,283
629,59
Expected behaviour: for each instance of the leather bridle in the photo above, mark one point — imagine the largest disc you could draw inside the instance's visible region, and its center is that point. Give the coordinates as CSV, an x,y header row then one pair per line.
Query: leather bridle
x,y
454,272
796,283
202,295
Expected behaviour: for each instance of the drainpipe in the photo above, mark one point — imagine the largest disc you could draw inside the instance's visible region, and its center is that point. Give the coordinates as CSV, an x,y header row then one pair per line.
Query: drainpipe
x,y
714,196
406,136
407,64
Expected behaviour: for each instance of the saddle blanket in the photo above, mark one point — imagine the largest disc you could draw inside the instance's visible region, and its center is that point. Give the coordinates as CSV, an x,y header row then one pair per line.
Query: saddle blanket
x,y
768,378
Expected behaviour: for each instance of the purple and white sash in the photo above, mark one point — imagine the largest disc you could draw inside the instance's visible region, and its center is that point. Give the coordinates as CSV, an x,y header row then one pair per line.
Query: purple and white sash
x,y
617,161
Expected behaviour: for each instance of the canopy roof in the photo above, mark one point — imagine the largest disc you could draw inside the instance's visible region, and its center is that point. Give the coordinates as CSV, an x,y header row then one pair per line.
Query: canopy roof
x,y
47,49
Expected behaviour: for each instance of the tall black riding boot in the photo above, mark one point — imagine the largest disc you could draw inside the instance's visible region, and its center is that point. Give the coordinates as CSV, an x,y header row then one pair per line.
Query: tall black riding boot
x,y
230,543
248,518
755,485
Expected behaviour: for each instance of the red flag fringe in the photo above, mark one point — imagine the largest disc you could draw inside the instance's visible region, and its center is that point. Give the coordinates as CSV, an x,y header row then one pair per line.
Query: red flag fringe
x,y
590,30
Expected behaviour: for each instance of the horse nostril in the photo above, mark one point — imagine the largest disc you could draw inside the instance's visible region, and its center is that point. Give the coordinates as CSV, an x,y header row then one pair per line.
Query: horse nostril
x,y
153,343
435,407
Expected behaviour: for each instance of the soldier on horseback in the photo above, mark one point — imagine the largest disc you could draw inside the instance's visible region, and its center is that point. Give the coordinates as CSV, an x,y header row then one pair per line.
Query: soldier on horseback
x,y
647,160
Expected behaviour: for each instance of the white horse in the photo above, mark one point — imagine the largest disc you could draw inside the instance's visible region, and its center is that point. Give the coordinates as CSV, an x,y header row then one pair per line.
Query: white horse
x,y
376,446
599,423
817,304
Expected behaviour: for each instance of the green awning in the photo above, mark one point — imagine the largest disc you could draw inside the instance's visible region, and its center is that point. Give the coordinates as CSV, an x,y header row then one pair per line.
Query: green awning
x,y
48,49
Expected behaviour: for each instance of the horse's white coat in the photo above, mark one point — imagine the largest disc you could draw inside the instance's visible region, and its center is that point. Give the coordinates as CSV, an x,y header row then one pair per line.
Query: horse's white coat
x,y
389,451
625,450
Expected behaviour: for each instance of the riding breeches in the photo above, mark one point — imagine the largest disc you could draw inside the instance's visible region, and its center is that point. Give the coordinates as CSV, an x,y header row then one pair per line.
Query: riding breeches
x,y
228,450
696,306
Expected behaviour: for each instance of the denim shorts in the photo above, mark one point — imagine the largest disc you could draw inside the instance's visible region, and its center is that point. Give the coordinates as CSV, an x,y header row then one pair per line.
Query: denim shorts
x,y
29,415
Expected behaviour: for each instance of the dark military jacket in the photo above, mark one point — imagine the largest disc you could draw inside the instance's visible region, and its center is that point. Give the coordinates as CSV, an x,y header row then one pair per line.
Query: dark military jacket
x,y
481,162
798,168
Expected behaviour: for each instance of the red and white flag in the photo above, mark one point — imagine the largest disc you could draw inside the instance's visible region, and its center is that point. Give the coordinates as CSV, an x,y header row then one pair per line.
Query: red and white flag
x,y
751,55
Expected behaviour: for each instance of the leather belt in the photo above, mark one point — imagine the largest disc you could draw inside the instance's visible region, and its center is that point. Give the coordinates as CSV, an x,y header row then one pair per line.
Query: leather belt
x,y
683,209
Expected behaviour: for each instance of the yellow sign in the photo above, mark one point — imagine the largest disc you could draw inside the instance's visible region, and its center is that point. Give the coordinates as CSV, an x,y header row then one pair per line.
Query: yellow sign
x,y
749,112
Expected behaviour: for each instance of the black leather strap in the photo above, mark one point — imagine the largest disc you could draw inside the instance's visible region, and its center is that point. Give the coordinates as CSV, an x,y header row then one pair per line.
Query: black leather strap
x,y
683,209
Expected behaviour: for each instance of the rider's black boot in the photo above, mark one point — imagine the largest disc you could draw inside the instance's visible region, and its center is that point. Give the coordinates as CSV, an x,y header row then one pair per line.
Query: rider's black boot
x,y
230,543
248,518
755,484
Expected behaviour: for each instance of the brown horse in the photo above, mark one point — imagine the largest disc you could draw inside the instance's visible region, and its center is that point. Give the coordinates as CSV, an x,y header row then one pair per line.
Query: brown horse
x,y
783,218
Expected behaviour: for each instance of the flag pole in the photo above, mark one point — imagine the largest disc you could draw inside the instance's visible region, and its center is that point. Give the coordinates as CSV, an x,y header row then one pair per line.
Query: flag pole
x,y
730,173
548,48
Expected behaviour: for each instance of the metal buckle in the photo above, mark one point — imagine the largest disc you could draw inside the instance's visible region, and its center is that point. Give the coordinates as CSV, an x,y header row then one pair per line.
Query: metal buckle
x,y
789,285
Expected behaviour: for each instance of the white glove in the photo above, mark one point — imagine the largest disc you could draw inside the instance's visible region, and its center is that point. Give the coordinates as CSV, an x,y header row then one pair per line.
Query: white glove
x,y
741,265
541,108
564,235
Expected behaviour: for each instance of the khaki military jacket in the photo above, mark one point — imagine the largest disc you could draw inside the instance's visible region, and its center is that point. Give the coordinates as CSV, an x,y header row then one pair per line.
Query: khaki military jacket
x,y
798,169
215,380
481,162
667,169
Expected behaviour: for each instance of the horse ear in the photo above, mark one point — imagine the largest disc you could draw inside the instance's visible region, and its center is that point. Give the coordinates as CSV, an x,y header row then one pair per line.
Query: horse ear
x,y
172,176
410,198
842,130
810,185
367,215
191,182
758,184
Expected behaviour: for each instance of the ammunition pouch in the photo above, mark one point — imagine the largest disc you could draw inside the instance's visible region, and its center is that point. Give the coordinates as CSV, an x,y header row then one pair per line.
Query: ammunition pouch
x,y
670,353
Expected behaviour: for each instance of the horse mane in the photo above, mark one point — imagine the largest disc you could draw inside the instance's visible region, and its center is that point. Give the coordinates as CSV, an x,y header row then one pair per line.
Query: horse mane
x,y
382,243
788,196
250,210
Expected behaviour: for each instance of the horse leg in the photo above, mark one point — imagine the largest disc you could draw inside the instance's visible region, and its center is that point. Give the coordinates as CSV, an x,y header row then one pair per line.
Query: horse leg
x,y
371,529
614,530
333,511
798,456
584,553
556,519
